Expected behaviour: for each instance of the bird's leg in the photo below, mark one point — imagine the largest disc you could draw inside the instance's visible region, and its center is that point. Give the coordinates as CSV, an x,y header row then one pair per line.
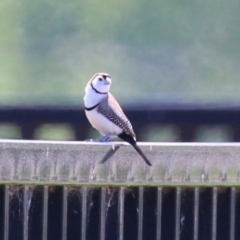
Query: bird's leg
x,y
105,138
111,151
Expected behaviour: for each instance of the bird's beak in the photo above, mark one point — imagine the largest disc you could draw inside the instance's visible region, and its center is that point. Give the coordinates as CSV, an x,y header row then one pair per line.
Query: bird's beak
x,y
107,81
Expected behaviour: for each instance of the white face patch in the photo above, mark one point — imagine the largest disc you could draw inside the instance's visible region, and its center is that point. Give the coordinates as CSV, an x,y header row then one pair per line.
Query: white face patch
x,y
100,84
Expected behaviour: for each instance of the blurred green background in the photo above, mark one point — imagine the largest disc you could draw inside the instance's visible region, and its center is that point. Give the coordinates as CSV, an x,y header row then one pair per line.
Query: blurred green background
x,y
164,51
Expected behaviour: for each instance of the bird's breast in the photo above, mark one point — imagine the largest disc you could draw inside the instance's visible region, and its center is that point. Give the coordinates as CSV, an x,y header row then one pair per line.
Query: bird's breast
x,y
102,124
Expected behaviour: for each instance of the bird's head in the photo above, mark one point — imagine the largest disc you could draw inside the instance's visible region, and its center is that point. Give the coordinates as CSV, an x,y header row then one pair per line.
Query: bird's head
x,y
101,82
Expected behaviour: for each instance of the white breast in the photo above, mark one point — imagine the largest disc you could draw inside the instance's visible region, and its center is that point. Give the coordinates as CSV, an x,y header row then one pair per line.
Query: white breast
x,y
102,124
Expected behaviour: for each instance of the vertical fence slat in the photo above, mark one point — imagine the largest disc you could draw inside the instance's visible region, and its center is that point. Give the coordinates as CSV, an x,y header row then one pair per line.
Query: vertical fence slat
x,y
84,213
159,213
6,212
64,213
177,213
103,214
45,213
232,213
196,213
140,213
121,212
214,213
25,211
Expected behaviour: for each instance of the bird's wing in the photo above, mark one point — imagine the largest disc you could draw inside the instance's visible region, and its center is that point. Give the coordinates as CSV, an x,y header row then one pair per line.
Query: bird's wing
x,y
110,108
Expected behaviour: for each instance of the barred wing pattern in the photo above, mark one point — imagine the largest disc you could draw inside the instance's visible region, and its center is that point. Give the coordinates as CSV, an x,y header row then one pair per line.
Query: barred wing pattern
x,y
115,114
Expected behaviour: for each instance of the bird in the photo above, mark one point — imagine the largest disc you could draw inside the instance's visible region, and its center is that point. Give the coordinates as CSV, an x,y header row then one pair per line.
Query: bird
x,y
106,115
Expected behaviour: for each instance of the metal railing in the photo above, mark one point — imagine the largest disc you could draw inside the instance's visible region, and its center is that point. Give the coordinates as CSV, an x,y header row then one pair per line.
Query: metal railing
x,y
186,118
58,190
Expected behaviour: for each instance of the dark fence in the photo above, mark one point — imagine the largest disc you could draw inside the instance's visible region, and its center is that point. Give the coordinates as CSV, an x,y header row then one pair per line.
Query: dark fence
x,y
58,190
148,213
195,194
187,119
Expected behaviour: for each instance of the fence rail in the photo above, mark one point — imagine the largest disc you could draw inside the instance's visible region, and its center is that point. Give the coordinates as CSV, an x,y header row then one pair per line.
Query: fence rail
x,y
77,163
58,190
187,118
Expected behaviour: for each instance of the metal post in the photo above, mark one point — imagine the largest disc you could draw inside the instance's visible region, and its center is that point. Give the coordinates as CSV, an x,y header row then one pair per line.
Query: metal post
x,y
25,212
84,213
177,213
64,213
45,213
159,213
103,214
214,214
140,214
6,212
232,213
196,213
121,212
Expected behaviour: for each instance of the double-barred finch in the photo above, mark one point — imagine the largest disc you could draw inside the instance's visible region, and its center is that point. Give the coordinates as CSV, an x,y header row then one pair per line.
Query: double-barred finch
x,y
105,114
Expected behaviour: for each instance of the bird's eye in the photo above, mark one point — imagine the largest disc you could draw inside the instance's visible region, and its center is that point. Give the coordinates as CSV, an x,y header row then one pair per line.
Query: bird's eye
x,y
100,79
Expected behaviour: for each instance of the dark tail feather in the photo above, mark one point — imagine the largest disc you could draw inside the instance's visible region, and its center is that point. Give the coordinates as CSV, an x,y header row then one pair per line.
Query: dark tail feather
x,y
141,154
130,139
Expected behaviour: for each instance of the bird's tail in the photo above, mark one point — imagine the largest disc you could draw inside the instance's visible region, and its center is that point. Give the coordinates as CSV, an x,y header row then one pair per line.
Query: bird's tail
x,y
130,139
141,154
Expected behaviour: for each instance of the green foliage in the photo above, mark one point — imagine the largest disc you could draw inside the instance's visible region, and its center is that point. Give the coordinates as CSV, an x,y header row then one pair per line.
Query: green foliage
x,y
55,132
9,131
175,50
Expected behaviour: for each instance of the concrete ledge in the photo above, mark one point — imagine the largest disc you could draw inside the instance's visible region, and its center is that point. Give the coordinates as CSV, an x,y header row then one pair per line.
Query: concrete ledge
x,y
77,163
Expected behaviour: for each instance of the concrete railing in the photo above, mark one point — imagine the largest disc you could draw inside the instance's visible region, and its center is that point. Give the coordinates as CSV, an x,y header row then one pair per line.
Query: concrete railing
x,y
77,163
186,169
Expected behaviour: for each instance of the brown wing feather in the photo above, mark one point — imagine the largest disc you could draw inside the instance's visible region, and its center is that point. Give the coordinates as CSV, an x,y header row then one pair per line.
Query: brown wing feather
x,y
110,108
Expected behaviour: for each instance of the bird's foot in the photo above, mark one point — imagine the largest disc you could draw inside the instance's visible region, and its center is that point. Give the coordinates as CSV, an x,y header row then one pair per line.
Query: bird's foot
x,y
102,139
105,138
